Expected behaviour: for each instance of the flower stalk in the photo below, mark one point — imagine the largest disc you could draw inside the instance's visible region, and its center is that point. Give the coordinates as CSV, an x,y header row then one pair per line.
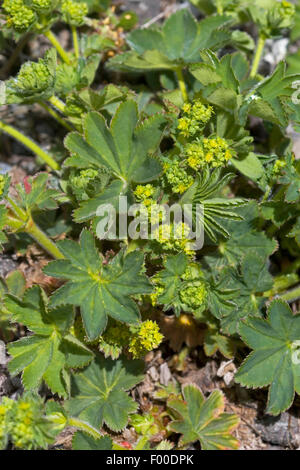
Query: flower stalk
x,y
182,84
258,55
75,41
54,41
56,116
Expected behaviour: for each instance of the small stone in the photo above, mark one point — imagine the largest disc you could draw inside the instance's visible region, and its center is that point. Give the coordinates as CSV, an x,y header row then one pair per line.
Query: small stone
x,y
3,358
5,385
153,373
283,430
164,374
7,264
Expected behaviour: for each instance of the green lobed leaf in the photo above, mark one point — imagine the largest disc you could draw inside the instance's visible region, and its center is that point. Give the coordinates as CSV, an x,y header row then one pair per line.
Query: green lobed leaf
x,y
203,420
46,354
125,148
82,441
178,42
99,392
274,360
100,290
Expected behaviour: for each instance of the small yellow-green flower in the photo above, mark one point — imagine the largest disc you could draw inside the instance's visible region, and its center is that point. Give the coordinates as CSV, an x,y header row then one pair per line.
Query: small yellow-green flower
x,y
144,192
20,16
74,13
22,432
194,118
177,176
41,5
194,295
285,9
278,166
145,338
174,237
213,151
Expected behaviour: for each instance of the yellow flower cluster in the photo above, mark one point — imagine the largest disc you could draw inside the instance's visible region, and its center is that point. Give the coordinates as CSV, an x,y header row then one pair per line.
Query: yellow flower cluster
x,y
194,292
214,152
174,237
146,337
194,295
23,422
278,166
177,176
5,405
41,5
17,421
285,9
23,430
195,116
20,16
73,12
34,77
144,193
152,211
138,340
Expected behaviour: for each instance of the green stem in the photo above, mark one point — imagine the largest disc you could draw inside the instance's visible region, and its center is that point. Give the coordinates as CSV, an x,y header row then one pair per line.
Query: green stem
x,y
54,41
75,41
182,85
15,223
56,116
41,238
29,226
30,144
282,283
291,295
219,7
17,210
267,194
259,51
57,103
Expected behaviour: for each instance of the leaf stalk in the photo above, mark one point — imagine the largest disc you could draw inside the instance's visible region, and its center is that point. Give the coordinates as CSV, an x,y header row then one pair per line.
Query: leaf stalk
x,y
30,144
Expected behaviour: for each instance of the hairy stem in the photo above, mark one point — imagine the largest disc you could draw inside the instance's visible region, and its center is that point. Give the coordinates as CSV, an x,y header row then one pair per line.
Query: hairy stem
x,y
291,295
56,116
282,283
18,211
54,41
15,223
57,103
181,84
30,144
75,41
42,239
219,7
259,51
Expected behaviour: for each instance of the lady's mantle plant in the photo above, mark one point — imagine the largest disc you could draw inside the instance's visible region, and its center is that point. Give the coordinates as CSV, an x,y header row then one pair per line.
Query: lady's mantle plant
x,y
177,129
